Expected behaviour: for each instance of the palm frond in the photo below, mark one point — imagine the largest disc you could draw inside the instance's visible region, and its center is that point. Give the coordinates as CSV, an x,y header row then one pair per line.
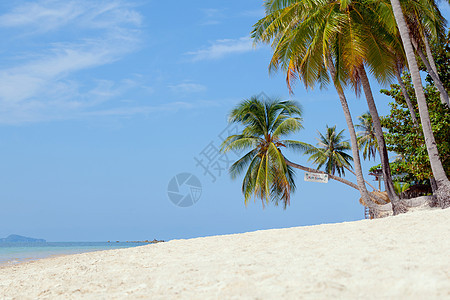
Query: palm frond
x,y
265,121
239,142
331,152
238,167
296,145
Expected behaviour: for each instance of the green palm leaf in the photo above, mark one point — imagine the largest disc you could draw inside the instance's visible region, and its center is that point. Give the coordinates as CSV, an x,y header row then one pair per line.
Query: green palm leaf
x,y
366,136
331,152
265,122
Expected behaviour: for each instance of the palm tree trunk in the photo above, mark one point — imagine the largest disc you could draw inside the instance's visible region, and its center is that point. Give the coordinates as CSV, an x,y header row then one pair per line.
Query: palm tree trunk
x,y
429,54
433,185
364,179
443,193
370,203
437,82
406,96
386,168
311,170
351,129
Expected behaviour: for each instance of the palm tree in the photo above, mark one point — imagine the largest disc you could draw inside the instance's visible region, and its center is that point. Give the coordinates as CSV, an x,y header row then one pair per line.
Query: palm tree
x,y
398,74
367,43
310,39
314,60
366,137
424,19
331,152
385,166
443,191
269,175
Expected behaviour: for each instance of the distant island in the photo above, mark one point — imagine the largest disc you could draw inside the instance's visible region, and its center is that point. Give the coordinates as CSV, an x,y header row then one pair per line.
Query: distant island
x,y
14,238
146,241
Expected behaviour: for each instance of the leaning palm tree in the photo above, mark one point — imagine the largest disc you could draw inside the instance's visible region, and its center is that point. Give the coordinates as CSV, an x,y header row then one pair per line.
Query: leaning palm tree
x,y
313,38
443,192
367,141
403,88
366,43
331,152
269,175
425,21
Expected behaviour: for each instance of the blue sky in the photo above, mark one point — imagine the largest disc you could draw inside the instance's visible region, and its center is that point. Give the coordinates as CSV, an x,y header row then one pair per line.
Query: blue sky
x,y
103,102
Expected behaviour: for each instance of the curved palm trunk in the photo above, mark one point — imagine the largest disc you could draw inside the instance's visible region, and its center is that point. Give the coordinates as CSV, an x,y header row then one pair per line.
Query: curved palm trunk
x,y
437,82
311,170
406,96
351,129
375,189
370,203
433,185
429,54
386,168
443,193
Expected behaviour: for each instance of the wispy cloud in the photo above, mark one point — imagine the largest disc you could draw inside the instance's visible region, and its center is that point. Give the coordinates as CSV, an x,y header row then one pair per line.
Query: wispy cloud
x,y
170,107
66,99
41,84
145,110
256,13
212,12
212,16
222,48
187,87
45,15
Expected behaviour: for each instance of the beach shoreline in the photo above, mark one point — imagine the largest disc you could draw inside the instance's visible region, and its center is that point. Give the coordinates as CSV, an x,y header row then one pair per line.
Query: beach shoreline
x,y
17,253
403,256
16,262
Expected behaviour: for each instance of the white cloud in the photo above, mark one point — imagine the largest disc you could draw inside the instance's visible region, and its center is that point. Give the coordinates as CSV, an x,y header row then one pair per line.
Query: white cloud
x,y
257,13
169,107
64,99
42,16
212,16
187,88
212,12
128,111
42,84
222,48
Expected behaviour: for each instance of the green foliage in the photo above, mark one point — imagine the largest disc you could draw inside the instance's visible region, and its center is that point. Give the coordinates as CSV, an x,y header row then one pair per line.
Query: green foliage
x,y
307,35
400,171
400,187
403,138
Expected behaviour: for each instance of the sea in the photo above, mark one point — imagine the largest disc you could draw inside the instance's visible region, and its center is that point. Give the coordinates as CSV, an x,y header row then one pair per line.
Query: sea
x,y
14,253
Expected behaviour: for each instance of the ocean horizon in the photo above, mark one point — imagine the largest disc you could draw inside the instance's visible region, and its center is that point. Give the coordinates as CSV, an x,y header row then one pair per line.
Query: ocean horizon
x,y
14,253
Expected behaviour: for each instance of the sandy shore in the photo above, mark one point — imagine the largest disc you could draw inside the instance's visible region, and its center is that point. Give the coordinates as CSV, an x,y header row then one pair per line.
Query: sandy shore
x,y
403,257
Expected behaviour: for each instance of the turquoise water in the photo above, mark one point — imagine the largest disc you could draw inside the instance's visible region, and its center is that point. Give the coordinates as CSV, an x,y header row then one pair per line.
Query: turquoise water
x,y
12,253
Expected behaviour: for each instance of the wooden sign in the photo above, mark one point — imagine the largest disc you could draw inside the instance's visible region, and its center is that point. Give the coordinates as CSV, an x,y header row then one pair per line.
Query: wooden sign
x,y
316,177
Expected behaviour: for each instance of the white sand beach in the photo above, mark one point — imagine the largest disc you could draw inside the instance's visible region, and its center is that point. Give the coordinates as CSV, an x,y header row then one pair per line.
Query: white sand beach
x,y
402,257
